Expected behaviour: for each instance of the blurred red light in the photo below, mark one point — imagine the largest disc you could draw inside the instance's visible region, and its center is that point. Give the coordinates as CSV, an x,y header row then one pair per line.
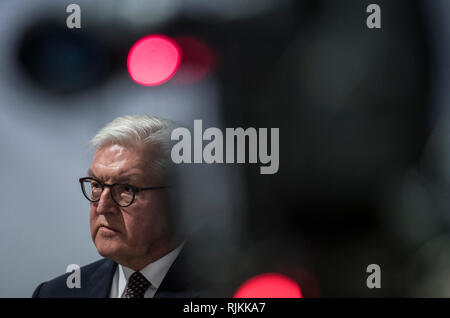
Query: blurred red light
x,y
269,285
153,60
197,62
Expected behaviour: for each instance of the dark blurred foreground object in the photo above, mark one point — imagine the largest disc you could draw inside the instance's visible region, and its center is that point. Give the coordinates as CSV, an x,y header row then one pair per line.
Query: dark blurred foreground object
x,y
61,60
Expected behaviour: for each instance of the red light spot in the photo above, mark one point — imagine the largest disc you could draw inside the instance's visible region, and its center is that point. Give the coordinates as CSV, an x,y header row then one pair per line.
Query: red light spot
x,y
197,62
153,60
270,285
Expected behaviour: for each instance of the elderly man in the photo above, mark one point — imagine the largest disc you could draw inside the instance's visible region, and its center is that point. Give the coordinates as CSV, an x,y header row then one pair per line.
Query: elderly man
x,y
132,224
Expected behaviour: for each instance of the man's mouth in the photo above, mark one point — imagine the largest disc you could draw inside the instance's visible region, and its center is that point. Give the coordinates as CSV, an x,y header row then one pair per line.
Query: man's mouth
x,y
106,228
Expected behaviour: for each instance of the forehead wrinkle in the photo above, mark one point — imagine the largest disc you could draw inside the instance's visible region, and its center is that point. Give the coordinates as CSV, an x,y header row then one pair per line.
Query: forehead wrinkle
x,y
125,177
121,175
119,163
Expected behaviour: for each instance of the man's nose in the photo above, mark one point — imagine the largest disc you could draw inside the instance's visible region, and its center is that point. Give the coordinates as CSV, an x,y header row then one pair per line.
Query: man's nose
x,y
106,204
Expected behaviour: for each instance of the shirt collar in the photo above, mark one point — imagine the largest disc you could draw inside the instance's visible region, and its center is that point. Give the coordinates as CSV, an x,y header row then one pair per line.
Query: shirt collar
x,y
156,271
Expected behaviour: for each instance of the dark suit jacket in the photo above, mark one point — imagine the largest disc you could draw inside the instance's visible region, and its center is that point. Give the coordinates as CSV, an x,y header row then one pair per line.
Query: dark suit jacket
x,y
96,281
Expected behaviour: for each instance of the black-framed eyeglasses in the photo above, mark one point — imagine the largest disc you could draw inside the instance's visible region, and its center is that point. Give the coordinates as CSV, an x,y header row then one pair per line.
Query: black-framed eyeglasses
x,y
123,194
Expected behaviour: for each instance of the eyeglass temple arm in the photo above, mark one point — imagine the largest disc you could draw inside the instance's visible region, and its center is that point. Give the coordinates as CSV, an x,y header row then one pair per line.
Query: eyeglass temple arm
x,y
151,188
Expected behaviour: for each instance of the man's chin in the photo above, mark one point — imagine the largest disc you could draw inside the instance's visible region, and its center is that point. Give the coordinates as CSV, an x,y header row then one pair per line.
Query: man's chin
x,y
107,253
106,248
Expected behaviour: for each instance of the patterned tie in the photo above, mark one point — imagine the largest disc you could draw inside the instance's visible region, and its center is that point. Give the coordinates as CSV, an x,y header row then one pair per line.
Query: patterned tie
x,y
136,286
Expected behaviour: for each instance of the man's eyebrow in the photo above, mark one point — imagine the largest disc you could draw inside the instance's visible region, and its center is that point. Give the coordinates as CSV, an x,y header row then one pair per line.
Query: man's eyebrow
x,y
132,176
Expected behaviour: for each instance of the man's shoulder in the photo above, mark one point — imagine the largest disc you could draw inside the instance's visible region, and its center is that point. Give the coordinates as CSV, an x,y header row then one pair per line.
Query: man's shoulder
x,y
59,287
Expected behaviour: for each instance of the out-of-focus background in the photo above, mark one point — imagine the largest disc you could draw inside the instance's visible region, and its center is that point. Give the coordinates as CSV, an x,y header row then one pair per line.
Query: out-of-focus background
x,y
364,174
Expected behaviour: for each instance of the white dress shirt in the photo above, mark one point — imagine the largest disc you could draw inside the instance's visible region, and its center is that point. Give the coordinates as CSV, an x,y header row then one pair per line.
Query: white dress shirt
x,y
153,272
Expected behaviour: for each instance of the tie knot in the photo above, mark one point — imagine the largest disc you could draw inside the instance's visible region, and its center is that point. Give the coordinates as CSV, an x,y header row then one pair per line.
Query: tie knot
x,y
136,286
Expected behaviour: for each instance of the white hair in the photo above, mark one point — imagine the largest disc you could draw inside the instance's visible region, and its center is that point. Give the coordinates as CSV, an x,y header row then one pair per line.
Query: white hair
x,y
132,129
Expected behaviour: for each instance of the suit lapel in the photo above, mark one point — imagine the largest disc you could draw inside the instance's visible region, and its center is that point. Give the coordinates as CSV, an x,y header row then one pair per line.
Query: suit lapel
x,y
99,284
177,282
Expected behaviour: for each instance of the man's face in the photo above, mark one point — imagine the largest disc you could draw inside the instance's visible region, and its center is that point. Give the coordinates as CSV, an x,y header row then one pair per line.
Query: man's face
x,y
128,234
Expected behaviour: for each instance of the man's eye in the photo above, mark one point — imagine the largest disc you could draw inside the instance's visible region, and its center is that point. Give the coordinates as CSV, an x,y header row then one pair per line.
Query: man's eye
x,y
128,188
95,185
